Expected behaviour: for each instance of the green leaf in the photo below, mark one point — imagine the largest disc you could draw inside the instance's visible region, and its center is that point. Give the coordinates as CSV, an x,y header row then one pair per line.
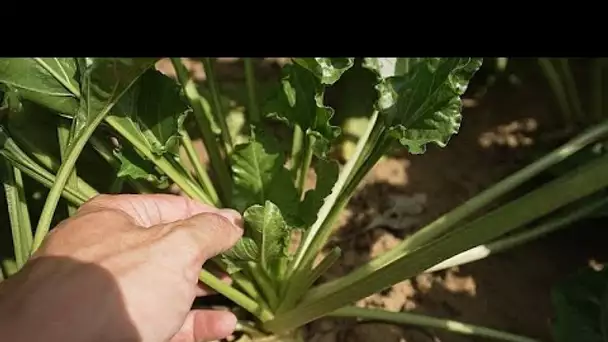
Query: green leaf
x,y
260,176
153,112
327,174
300,102
134,166
161,112
265,240
327,70
105,81
420,97
581,306
49,82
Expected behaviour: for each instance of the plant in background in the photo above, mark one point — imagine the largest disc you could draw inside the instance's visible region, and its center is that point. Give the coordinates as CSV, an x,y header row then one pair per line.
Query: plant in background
x,y
59,111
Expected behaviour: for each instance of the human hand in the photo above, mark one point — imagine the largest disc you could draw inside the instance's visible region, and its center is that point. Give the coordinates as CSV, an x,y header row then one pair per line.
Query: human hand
x,y
123,268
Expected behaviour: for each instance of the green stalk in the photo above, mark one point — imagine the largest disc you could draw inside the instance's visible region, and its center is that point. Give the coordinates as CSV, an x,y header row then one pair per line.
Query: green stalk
x,y
377,275
9,267
484,198
571,88
183,181
19,217
305,246
557,86
597,88
216,103
214,150
429,322
297,145
249,287
483,251
264,283
201,172
254,113
236,296
60,181
47,179
46,160
63,134
309,141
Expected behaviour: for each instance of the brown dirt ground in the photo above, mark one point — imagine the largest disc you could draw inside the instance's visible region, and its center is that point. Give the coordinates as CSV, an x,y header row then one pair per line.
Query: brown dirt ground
x,y
502,128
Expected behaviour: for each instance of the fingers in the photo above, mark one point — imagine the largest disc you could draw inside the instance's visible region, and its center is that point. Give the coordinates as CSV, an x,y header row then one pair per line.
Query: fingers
x,y
206,325
154,209
197,238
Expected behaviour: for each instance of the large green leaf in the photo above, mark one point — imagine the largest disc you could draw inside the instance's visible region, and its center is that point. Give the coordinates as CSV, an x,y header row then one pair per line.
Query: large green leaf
x,y
260,176
265,240
299,101
327,174
104,82
49,82
581,307
327,70
153,112
420,97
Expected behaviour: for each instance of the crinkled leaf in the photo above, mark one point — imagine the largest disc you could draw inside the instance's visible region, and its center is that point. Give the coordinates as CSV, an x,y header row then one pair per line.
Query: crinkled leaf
x,y
300,102
420,97
134,166
104,83
328,70
581,307
36,79
260,175
265,239
327,174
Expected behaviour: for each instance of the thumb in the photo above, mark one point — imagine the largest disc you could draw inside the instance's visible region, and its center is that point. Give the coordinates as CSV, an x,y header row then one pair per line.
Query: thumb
x,y
206,325
201,236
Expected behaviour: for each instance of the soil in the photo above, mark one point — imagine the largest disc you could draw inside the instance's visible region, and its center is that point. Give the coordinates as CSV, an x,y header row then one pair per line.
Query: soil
x,y
504,128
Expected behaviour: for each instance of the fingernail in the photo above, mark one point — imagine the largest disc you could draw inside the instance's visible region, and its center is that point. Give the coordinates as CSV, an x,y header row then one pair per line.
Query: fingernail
x,y
233,216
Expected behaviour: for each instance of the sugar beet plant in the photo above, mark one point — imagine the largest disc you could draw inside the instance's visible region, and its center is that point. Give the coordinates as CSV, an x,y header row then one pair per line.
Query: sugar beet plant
x,y
58,111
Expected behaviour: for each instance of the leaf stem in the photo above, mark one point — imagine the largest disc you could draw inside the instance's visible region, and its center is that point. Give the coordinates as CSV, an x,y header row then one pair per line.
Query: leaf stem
x,y
61,179
556,84
201,172
19,217
306,160
377,275
501,245
571,88
214,150
216,103
254,113
429,322
63,134
236,296
304,249
183,181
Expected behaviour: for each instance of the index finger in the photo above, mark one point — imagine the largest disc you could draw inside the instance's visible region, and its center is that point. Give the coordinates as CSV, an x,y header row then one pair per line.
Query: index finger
x,y
153,209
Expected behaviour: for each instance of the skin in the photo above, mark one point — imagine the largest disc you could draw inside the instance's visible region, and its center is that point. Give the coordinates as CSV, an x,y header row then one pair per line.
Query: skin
x,y
123,268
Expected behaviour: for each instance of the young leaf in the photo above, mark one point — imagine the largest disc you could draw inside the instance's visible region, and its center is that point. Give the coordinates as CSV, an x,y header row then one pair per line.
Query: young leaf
x,y
266,237
327,70
134,166
327,175
420,97
50,82
260,176
300,102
